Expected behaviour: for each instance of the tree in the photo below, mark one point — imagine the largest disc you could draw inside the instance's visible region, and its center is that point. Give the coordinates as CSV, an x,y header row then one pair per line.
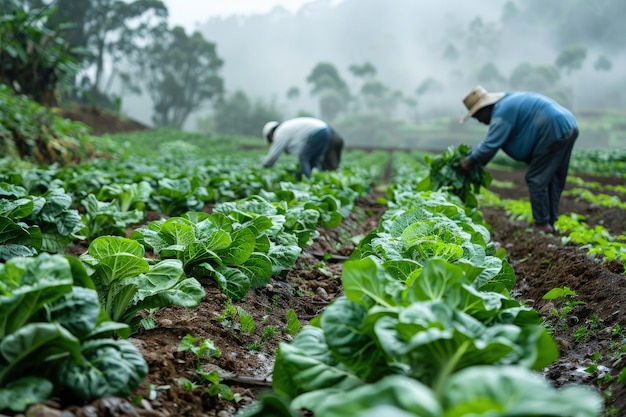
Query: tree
x,y
373,93
237,115
481,37
363,71
571,58
293,93
451,53
378,96
181,75
331,88
116,29
363,74
331,104
602,64
110,30
537,78
34,59
489,74
429,85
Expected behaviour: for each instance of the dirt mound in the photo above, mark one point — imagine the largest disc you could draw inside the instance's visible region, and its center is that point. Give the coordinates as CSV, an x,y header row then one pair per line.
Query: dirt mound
x,y
100,121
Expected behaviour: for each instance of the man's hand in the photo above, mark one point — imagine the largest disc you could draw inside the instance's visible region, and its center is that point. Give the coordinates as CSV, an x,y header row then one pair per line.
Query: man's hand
x,y
465,167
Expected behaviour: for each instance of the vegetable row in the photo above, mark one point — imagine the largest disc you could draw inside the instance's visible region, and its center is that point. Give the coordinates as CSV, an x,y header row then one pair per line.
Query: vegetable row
x,y
427,327
65,317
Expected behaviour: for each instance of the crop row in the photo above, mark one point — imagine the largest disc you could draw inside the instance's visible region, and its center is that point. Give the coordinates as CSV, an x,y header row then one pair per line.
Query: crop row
x,y
427,325
72,313
597,240
427,321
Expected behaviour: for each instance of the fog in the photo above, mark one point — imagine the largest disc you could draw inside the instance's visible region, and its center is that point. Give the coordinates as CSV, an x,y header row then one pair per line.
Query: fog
x,y
405,40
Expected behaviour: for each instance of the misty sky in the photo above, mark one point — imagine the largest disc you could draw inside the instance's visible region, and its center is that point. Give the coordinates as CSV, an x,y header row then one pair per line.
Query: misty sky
x,y
266,53
188,13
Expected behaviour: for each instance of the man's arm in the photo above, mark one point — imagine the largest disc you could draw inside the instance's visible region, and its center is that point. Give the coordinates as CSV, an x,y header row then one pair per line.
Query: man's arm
x,y
275,150
499,132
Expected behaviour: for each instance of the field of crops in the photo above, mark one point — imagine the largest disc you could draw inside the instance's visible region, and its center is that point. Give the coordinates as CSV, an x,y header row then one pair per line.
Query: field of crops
x,y
235,290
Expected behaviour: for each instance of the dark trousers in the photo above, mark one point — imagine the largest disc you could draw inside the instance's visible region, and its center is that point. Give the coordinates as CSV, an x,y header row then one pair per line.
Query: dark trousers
x,y
332,158
546,176
313,151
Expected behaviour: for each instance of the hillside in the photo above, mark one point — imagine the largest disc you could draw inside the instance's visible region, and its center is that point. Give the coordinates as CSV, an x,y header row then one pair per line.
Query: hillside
x,y
100,121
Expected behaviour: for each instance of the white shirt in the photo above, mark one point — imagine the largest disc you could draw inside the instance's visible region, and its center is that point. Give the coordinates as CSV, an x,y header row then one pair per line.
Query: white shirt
x,y
291,136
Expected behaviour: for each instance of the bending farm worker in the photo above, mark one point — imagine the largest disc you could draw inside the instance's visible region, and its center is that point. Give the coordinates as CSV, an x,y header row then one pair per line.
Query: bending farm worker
x,y
530,128
305,137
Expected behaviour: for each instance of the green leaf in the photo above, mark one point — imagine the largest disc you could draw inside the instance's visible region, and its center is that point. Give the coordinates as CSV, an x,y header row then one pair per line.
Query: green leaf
x,y
342,322
107,246
11,233
246,320
435,280
515,391
237,283
111,270
293,323
16,209
18,395
389,397
33,344
108,367
78,311
365,282
404,270
31,283
240,249
202,251
306,364
258,269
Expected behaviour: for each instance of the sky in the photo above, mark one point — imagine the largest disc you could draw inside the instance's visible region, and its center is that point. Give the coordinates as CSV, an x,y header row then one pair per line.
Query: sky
x,y
188,13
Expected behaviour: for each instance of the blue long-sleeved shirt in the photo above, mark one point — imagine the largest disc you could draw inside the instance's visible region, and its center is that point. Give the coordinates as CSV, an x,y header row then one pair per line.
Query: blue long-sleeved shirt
x,y
519,121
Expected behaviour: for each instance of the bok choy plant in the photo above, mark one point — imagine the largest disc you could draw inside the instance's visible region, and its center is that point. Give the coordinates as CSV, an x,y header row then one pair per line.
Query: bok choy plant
x,y
234,251
128,283
427,311
31,224
103,218
55,339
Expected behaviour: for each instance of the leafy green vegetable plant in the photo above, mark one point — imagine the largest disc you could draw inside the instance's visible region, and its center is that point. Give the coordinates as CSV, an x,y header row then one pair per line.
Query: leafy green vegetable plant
x,y
600,242
428,300
445,174
55,339
128,283
293,323
206,349
565,300
103,218
213,245
31,224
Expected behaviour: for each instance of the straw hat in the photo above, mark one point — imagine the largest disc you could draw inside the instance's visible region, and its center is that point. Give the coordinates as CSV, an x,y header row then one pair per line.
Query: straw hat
x,y
478,98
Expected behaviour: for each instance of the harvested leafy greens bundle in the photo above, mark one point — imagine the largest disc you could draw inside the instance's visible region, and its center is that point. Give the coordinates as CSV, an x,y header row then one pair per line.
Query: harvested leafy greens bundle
x,y
444,173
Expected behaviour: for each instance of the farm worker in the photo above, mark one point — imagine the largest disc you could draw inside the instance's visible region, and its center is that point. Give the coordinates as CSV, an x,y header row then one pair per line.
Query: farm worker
x,y
530,128
305,137
332,157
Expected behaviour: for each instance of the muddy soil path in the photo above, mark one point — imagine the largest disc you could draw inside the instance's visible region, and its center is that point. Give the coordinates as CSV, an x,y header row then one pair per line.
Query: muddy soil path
x,y
590,335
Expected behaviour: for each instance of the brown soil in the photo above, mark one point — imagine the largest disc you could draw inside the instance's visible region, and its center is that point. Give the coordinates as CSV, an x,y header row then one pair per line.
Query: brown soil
x,y
100,121
540,261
